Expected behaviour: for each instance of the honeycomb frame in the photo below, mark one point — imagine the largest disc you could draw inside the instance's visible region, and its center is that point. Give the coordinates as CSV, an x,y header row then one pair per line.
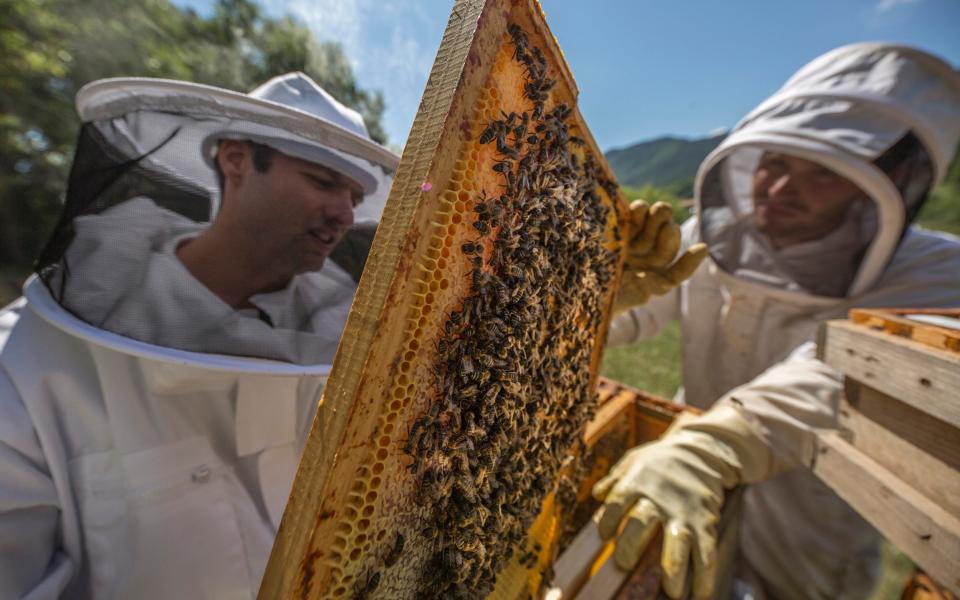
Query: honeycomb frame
x,y
346,512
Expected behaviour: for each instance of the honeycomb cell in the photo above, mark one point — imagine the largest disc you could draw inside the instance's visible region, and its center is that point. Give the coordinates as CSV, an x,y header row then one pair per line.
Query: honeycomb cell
x,y
381,455
355,553
379,467
444,284
375,482
381,534
395,405
460,205
409,355
384,441
339,592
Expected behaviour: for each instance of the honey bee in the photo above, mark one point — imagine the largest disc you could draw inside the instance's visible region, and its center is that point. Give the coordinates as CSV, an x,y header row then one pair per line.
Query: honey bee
x,y
395,551
371,585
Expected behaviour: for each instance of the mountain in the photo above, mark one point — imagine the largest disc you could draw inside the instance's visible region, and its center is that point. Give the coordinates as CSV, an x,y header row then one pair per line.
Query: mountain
x,y
666,162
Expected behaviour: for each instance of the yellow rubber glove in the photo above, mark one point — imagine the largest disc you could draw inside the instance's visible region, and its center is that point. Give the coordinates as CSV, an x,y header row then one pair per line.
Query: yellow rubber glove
x,y
650,268
678,482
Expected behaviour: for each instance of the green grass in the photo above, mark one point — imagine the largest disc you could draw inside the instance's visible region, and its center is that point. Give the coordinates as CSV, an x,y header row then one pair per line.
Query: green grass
x,y
652,366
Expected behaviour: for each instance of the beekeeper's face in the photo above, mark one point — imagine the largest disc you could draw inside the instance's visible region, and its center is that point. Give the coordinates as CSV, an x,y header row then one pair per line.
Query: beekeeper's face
x,y
797,200
293,210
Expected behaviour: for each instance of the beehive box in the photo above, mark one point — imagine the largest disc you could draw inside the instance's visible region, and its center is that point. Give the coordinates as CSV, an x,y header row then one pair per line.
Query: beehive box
x,y
442,457
898,461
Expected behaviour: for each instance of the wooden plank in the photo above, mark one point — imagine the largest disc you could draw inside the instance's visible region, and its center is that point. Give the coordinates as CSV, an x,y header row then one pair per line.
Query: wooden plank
x,y
921,450
923,377
895,321
926,532
573,567
607,581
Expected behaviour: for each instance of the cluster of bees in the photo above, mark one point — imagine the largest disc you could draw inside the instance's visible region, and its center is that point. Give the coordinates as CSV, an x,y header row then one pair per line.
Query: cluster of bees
x,y
513,362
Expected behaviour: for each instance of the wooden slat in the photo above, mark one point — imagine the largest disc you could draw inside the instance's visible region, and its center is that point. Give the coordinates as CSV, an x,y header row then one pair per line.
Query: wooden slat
x,y
923,530
923,377
573,567
895,322
291,567
923,451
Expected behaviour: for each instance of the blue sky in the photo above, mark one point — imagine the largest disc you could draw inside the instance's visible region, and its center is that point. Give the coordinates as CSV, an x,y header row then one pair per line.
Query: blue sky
x,y
645,68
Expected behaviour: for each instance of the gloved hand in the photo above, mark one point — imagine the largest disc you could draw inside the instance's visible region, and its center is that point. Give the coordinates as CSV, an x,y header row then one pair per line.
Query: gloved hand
x,y
678,482
650,269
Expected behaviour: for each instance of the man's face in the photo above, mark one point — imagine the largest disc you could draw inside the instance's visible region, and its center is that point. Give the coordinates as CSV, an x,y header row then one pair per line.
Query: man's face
x,y
296,211
796,200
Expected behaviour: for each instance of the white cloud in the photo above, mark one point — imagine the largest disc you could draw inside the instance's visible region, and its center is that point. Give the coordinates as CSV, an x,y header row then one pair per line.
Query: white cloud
x,y
718,131
888,5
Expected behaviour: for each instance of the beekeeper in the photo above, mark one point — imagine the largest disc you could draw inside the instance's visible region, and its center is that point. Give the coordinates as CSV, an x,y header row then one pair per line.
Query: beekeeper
x,y
159,376
806,209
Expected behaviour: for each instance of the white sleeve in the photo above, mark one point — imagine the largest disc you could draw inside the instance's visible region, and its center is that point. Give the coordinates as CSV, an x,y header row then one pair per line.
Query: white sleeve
x,y
789,402
32,563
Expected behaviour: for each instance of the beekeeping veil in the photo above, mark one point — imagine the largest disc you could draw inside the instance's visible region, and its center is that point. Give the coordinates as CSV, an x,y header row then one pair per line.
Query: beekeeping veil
x,y
885,118
143,182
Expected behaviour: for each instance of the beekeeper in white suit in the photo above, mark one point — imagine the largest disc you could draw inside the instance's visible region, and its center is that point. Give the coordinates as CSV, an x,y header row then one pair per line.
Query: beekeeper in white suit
x,y
805,208
159,376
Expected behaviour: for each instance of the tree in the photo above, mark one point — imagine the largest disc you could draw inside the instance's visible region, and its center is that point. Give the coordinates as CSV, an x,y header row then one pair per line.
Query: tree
x,y
51,48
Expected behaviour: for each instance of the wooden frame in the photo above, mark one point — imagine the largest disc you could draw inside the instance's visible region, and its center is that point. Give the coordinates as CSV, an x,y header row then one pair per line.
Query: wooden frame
x,y
375,390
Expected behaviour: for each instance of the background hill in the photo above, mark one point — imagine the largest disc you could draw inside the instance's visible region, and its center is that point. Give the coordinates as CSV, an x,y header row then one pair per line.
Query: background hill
x,y
669,163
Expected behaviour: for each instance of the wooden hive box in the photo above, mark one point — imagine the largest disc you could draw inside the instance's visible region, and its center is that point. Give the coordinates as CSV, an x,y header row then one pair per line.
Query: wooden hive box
x,y
440,462
898,461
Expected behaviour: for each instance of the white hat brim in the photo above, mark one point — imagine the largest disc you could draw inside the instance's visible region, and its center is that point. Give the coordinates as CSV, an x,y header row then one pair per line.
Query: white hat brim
x,y
109,98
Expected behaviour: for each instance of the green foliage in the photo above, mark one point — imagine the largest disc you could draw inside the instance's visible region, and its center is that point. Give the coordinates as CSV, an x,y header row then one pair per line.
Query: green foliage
x,y
942,210
51,48
682,207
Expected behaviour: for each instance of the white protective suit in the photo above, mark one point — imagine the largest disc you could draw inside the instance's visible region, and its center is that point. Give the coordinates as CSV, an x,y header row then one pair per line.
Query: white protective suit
x,y
132,466
750,343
